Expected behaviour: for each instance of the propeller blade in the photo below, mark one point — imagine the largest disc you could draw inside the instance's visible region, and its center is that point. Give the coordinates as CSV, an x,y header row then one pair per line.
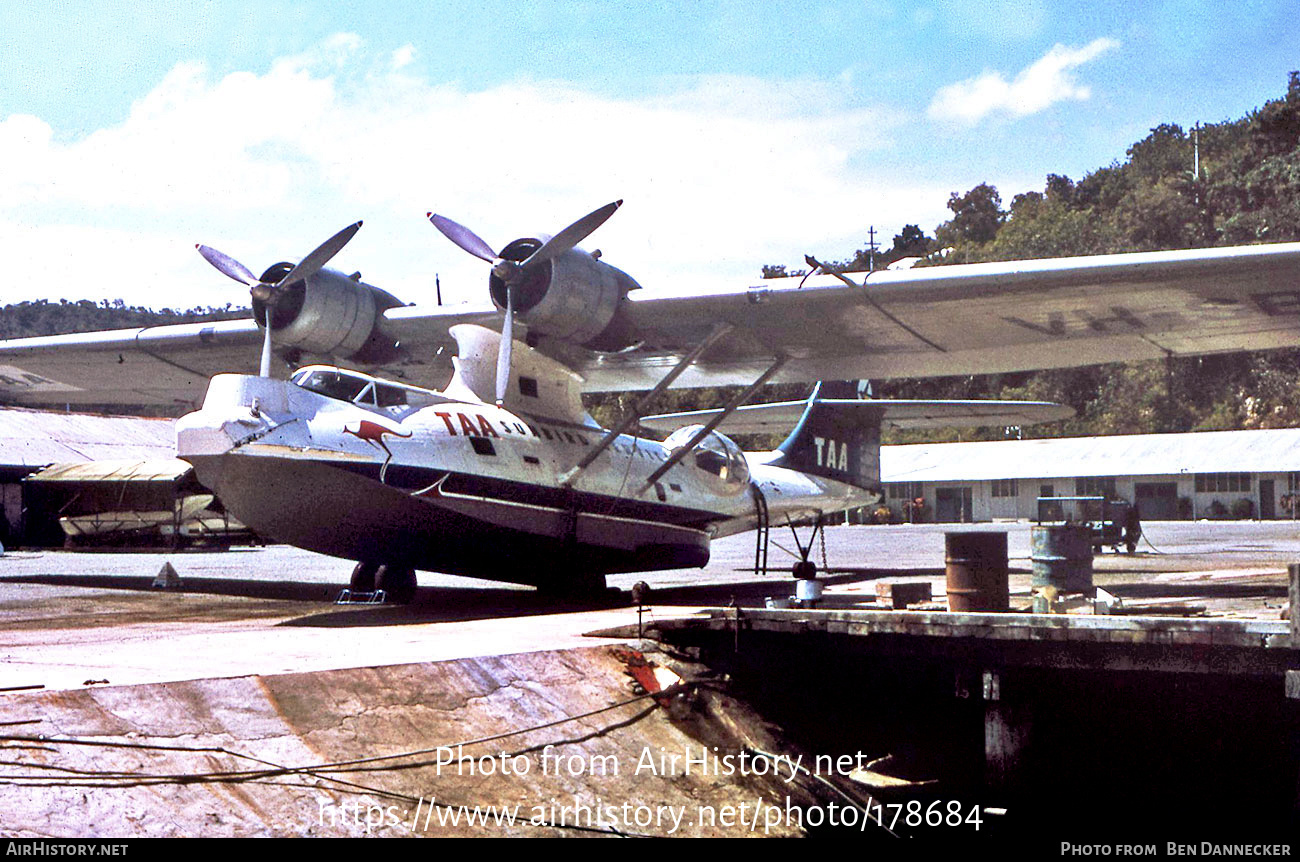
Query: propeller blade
x,y
227,265
321,255
265,368
265,292
463,237
572,235
507,346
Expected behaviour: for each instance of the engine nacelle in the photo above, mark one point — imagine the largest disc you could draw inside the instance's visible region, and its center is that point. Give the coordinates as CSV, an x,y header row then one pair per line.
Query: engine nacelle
x,y
332,315
573,296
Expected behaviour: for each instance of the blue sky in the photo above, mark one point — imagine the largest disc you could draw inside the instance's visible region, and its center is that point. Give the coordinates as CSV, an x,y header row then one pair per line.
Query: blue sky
x,y
738,133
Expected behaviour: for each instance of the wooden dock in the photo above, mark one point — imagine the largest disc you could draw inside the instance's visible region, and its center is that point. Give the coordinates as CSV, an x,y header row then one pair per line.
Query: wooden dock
x,y
1152,718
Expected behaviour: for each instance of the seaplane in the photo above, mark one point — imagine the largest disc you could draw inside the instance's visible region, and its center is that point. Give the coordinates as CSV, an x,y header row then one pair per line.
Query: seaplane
x,y
454,439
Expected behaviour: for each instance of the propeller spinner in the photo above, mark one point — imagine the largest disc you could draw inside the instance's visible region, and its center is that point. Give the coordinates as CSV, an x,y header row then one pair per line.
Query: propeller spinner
x,y
269,292
513,273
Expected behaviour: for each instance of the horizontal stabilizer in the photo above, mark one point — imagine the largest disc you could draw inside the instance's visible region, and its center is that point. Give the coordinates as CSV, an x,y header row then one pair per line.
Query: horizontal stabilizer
x,y
779,417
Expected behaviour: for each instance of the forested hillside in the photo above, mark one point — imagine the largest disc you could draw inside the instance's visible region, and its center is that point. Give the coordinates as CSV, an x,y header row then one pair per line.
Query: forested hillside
x,y
42,317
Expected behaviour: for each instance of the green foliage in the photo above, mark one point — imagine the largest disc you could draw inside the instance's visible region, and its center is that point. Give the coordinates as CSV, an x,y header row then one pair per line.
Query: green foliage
x,y
1040,226
976,218
42,317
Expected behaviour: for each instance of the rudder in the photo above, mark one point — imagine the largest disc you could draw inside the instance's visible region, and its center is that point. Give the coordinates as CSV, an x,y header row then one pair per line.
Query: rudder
x,y
837,437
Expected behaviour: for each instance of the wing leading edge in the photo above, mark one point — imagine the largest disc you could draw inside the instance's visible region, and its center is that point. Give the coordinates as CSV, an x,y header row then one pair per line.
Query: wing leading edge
x,y
921,322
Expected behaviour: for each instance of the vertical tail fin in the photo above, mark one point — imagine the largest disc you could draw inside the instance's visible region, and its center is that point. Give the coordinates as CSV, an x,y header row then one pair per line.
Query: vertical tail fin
x,y
837,437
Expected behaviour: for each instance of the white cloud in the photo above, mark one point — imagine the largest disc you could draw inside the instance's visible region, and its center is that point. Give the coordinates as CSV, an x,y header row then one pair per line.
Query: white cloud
x,y
403,56
1039,86
719,174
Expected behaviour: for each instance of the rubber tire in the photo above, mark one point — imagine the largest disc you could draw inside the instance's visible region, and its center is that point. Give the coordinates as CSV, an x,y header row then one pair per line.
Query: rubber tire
x,y
363,577
805,570
398,583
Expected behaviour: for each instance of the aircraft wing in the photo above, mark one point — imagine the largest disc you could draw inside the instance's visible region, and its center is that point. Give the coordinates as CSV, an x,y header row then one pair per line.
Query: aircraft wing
x,y
171,365
161,365
779,417
920,322
972,319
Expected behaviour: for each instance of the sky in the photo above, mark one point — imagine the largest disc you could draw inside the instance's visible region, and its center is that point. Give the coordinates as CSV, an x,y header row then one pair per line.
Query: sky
x,y
738,134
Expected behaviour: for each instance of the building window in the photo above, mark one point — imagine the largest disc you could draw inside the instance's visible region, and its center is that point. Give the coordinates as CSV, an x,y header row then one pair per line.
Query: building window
x,y
1209,483
1005,488
903,490
1095,486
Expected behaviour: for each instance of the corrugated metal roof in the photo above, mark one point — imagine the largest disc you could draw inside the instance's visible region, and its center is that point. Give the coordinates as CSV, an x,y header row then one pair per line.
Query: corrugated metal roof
x,y
1270,451
34,438
164,470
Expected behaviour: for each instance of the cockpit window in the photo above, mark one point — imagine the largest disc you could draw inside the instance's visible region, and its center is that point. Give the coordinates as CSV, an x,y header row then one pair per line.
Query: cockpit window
x,y
389,396
717,455
334,384
390,399
714,462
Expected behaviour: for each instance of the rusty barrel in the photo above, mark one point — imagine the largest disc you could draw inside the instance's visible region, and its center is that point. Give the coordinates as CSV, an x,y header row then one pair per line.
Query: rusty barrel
x,y
976,571
1061,557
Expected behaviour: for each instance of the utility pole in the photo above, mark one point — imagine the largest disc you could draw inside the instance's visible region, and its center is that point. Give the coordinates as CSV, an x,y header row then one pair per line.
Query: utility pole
x,y
1196,163
871,248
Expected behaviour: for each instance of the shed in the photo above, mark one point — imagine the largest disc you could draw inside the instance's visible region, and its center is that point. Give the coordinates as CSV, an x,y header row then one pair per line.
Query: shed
x,y
32,439
96,500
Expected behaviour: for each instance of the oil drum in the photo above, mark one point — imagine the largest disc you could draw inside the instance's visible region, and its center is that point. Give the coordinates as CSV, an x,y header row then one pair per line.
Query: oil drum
x,y
1061,557
976,572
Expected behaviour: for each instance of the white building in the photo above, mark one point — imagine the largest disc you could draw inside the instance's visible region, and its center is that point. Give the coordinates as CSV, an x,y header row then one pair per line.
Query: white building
x,y
1169,476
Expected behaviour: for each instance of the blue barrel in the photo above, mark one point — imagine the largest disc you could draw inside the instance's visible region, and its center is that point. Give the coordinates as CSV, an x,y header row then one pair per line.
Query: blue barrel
x,y
1061,557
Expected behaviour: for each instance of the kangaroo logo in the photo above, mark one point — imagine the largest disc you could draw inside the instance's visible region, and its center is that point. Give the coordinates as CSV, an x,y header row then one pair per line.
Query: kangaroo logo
x,y
373,433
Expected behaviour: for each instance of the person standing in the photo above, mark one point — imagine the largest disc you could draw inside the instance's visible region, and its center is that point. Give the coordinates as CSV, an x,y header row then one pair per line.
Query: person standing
x,y
1132,528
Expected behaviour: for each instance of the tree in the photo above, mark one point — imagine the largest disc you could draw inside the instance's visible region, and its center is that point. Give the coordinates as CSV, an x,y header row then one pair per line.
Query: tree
x,y
910,242
1160,215
1060,189
976,216
1166,152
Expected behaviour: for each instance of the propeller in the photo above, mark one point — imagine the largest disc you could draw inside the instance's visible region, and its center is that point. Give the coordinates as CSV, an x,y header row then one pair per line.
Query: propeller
x,y
514,272
267,292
